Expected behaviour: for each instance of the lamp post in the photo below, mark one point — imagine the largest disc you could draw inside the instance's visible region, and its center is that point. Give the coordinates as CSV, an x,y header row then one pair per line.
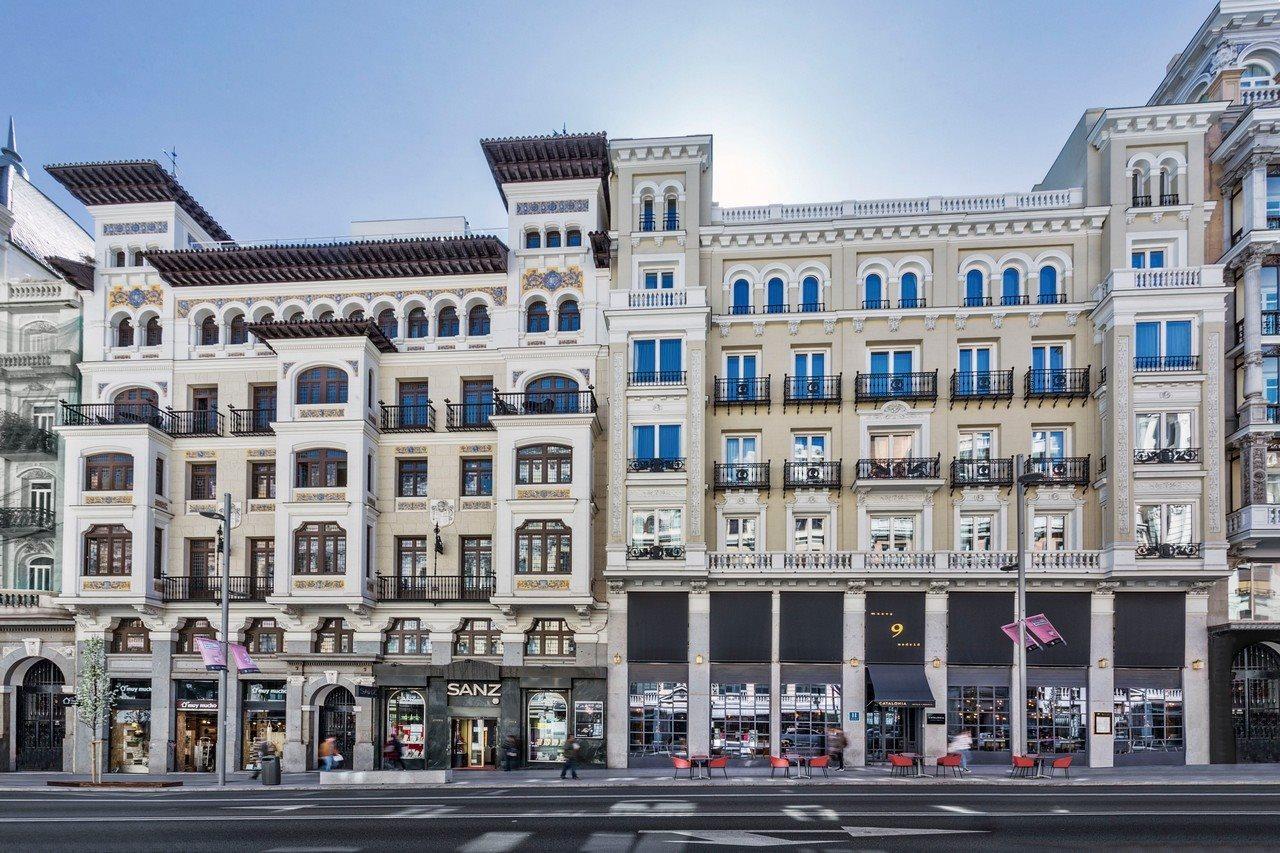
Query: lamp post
x,y
1022,479
220,751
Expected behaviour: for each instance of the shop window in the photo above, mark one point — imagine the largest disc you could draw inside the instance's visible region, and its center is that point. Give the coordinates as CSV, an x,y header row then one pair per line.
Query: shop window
x,y
807,713
130,735
543,547
108,472
108,550
1148,720
477,638
322,385
263,703
320,548
549,638
407,637
740,720
548,716
411,478
322,467
477,477
407,720
657,718
983,712
191,630
264,636
334,637
131,637
539,464
1056,720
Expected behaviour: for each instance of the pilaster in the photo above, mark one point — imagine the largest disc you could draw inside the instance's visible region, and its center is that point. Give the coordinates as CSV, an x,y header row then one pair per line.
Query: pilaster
x,y
1101,686
699,672
853,687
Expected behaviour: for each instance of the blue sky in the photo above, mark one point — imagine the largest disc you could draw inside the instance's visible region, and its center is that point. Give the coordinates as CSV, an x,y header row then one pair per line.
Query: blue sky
x,y
292,118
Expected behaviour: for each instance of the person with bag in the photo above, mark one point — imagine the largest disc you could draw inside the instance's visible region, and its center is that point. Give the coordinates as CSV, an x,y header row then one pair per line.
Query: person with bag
x,y
329,755
510,752
572,750
262,748
962,743
836,742
393,752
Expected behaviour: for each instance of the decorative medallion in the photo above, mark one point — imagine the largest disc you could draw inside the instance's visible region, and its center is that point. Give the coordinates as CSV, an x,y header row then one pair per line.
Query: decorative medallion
x,y
135,297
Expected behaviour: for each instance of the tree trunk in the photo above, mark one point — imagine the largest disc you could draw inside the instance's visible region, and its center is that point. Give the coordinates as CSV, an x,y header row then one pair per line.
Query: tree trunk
x,y
95,772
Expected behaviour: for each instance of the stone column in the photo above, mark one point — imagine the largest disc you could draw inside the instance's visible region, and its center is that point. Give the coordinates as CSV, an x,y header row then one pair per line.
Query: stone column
x,y
296,736
617,713
1101,685
1195,682
775,672
935,647
163,738
512,648
365,747
699,673
1253,329
1253,469
853,687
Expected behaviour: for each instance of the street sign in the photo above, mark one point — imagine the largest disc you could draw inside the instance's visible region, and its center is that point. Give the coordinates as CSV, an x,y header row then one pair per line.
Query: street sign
x,y
854,716
366,691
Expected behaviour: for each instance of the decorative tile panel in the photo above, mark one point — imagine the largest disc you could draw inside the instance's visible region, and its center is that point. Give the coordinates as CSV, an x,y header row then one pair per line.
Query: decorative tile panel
x,y
98,585
102,500
568,205
542,494
319,497
135,297
116,229
541,584
551,279
319,584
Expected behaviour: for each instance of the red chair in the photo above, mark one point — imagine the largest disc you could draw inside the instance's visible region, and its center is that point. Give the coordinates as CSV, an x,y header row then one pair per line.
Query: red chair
x,y
820,761
681,764
1023,765
949,761
777,762
1063,764
900,765
721,763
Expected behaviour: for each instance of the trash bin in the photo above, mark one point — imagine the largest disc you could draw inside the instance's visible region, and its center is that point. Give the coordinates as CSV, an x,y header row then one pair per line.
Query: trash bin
x,y
270,770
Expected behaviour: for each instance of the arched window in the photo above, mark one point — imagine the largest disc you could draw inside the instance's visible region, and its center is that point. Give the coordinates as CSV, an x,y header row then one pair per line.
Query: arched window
x,y
296,316
775,296
268,317
573,237
553,238
873,292
119,259
319,548
124,333
322,385
417,322
154,332
238,333
478,321
108,550
190,630
647,220
478,638
135,258
536,318
543,547
334,637
810,294
975,287
387,322
322,467
568,319
39,574
549,638
135,405
1169,184
1010,287
1049,286
264,637
447,322
1141,198
208,331
407,637
671,216
325,316
108,472
1254,75
131,637
532,240
537,464
551,395
909,291
741,297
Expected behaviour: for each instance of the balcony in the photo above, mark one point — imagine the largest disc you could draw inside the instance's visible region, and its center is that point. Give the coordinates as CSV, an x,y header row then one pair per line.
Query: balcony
x,y
24,439
18,521
811,475
1058,384
913,563
542,403
1254,522
814,390
811,307
1166,363
1168,551
1160,278
752,392
666,297
655,552
1166,456
880,387
777,308
976,301
1169,200
981,472
194,423
420,417
1059,298
1064,471
875,304
976,386
1015,299
437,588
741,475
917,302
465,417
648,222
666,378
199,588
905,468
1270,323
655,465
1140,201
251,421
113,414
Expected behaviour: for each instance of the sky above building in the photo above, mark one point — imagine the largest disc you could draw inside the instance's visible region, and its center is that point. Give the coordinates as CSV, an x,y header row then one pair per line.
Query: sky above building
x,y
291,119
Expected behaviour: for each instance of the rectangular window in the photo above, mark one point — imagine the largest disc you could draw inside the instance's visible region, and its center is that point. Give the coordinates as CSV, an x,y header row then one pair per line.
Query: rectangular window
x,y
976,531
1048,444
1164,524
1167,339
477,476
657,718
157,550
43,416
809,447
159,477
477,560
657,528
810,533
202,477
201,560
1049,532
655,441
414,555
1237,214
740,449
981,711
740,720
808,712
411,478
893,532
40,495
262,558
1057,720
892,445
891,361
740,534
975,444
262,480
1163,431
1142,259
740,375
1148,720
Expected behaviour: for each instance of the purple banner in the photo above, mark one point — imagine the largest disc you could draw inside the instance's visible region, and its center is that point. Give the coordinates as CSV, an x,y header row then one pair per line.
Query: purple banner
x,y
215,660
1012,630
1040,626
240,655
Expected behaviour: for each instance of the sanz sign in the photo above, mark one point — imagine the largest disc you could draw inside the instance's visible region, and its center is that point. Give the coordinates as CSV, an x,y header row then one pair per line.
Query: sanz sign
x,y
487,689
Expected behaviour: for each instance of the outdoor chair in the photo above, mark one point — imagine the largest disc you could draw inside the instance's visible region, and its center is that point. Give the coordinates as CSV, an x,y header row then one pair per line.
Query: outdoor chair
x,y
720,763
900,765
1063,764
820,761
681,764
950,761
776,763
1023,765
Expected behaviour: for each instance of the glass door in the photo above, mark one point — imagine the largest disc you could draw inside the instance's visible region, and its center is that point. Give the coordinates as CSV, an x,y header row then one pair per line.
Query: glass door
x,y
415,404
741,372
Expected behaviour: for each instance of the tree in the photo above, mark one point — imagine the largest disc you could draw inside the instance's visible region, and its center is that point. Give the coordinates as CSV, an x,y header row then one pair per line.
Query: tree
x,y
94,698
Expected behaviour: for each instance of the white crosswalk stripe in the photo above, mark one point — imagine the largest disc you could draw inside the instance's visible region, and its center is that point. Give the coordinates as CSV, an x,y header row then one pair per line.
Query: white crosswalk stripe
x,y
494,842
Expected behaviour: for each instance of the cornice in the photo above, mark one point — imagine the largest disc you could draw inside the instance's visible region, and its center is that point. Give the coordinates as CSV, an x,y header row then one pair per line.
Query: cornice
x,y
1149,121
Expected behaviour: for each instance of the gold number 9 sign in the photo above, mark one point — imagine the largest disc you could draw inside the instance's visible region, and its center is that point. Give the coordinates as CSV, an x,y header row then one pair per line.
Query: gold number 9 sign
x,y
896,629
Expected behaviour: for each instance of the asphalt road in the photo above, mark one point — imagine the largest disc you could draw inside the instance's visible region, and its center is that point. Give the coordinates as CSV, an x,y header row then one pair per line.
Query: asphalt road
x,y
668,819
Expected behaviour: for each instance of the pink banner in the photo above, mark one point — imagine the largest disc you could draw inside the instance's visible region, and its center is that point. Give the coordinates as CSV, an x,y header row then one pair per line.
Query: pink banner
x,y
1012,630
211,652
240,655
1043,630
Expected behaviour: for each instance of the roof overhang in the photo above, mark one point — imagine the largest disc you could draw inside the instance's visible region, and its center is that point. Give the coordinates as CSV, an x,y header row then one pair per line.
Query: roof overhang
x,y
284,330
78,274
557,157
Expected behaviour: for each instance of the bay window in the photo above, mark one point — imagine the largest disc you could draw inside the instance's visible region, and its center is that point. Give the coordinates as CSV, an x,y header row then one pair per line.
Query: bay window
x,y
320,548
1163,437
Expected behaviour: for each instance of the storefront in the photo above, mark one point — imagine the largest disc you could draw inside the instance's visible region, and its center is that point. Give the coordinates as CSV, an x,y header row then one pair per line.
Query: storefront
x,y
897,689
263,707
407,720
195,726
129,740
1150,642
811,648
1058,678
658,677
980,662
741,651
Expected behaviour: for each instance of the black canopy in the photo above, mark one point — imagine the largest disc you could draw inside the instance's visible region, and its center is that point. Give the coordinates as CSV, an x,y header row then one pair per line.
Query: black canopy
x,y
900,685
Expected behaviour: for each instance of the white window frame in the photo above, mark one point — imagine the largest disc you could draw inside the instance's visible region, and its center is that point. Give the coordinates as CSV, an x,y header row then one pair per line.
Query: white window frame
x,y
913,434
656,513
755,519
914,350
1173,243
991,432
724,445
808,518
1065,515
971,516
809,437
1065,429
1163,416
916,531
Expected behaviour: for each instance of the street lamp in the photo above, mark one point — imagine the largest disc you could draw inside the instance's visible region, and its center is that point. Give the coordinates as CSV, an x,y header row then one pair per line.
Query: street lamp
x,y
1022,479
220,750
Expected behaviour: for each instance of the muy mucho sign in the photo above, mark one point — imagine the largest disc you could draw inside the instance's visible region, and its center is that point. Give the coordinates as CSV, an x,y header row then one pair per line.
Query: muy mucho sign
x,y
487,689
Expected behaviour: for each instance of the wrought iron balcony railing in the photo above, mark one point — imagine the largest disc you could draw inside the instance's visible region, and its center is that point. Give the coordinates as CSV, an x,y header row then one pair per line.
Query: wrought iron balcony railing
x,y
1168,550
916,302
1056,298
463,417
754,391
1270,324
542,403
905,468
811,389
194,423
1166,363
1015,299
25,519
22,437
435,588
1141,201
922,385
1169,199
657,377
975,301
741,475
811,475
1167,455
1063,382
1066,471
655,464
200,588
418,417
113,414
982,385
655,552
251,421
981,472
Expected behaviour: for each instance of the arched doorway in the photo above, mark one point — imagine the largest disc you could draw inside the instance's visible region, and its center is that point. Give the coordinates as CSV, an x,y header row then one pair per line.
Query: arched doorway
x,y
1255,703
338,721
136,405
42,720
552,395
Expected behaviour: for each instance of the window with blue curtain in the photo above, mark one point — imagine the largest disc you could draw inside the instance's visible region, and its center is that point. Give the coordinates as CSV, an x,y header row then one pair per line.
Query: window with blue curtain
x,y
809,365
810,294
533,240
1048,285
974,287
1177,339
873,292
651,281
669,360
975,369
1046,367
668,280
1147,343
1010,287
909,288
1271,380
669,441
642,441
644,360
776,299
741,297
1270,290
741,370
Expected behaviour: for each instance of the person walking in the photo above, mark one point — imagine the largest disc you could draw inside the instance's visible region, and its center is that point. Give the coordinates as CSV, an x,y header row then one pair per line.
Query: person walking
x,y
572,749
393,752
510,752
328,753
962,743
262,748
836,742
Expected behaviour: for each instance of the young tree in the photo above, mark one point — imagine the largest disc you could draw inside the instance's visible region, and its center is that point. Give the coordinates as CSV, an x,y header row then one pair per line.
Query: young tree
x,y
94,698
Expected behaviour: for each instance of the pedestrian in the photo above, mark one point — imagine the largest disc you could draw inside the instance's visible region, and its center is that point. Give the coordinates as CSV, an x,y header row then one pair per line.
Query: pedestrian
x,y
261,748
836,742
393,752
329,753
572,749
962,743
510,752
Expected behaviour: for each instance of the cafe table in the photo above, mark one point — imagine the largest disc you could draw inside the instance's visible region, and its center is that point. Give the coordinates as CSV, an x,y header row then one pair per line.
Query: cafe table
x,y
801,762
917,763
699,763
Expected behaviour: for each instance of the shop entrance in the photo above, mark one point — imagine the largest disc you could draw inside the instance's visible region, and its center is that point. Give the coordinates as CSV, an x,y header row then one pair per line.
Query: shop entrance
x,y
197,741
474,743
42,720
1255,703
338,721
892,729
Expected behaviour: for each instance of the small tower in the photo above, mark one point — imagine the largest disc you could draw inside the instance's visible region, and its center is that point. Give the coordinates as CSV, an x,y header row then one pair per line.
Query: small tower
x,y
9,155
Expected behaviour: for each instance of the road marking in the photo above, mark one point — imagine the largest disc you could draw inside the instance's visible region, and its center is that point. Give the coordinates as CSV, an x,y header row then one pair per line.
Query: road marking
x,y
809,813
313,850
640,807
281,808
871,831
957,809
494,842
739,837
607,842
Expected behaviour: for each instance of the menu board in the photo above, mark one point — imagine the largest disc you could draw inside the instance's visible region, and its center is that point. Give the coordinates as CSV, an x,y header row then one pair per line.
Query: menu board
x,y
588,720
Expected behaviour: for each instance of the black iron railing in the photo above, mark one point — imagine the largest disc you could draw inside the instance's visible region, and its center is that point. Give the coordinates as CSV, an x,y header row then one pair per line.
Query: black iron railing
x,y
113,414
1168,363
251,421
811,475
648,222
200,588
981,472
25,518
905,468
1015,299
982,385
1065,471
1169,551
917,302
194,422
655,464
657,377
1273,413
976,301
1056,298
1168,199
418,417
655,552
1060,382
20,437
544,403
1167,455
922,385
1141,201
741,475
875,304
810,307
461,417
743,392
777,308
811,389
670,222
1270,323
435,588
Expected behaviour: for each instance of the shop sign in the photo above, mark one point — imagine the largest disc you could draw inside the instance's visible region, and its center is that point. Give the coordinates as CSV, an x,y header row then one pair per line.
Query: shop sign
x,y
257,691
69,700
588,719
366,691
485,689
935,719
133,693
854,716
196,705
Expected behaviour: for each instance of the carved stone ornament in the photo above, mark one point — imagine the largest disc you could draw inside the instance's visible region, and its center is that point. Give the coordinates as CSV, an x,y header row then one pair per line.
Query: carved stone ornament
x,y
793,327
1034,319
997,320
962,320
829,326
930,322
895,323
757,326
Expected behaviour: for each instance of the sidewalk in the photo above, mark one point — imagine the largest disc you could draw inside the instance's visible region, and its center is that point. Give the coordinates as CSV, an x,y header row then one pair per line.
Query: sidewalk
x,y
1216,774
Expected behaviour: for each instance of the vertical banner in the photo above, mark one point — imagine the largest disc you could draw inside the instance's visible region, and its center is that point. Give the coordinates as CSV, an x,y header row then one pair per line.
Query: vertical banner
x,y
211,653
240,655
1040,626
1012,630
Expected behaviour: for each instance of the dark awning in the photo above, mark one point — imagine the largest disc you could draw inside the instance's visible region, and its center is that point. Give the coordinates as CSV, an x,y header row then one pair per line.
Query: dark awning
x,y
900,685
